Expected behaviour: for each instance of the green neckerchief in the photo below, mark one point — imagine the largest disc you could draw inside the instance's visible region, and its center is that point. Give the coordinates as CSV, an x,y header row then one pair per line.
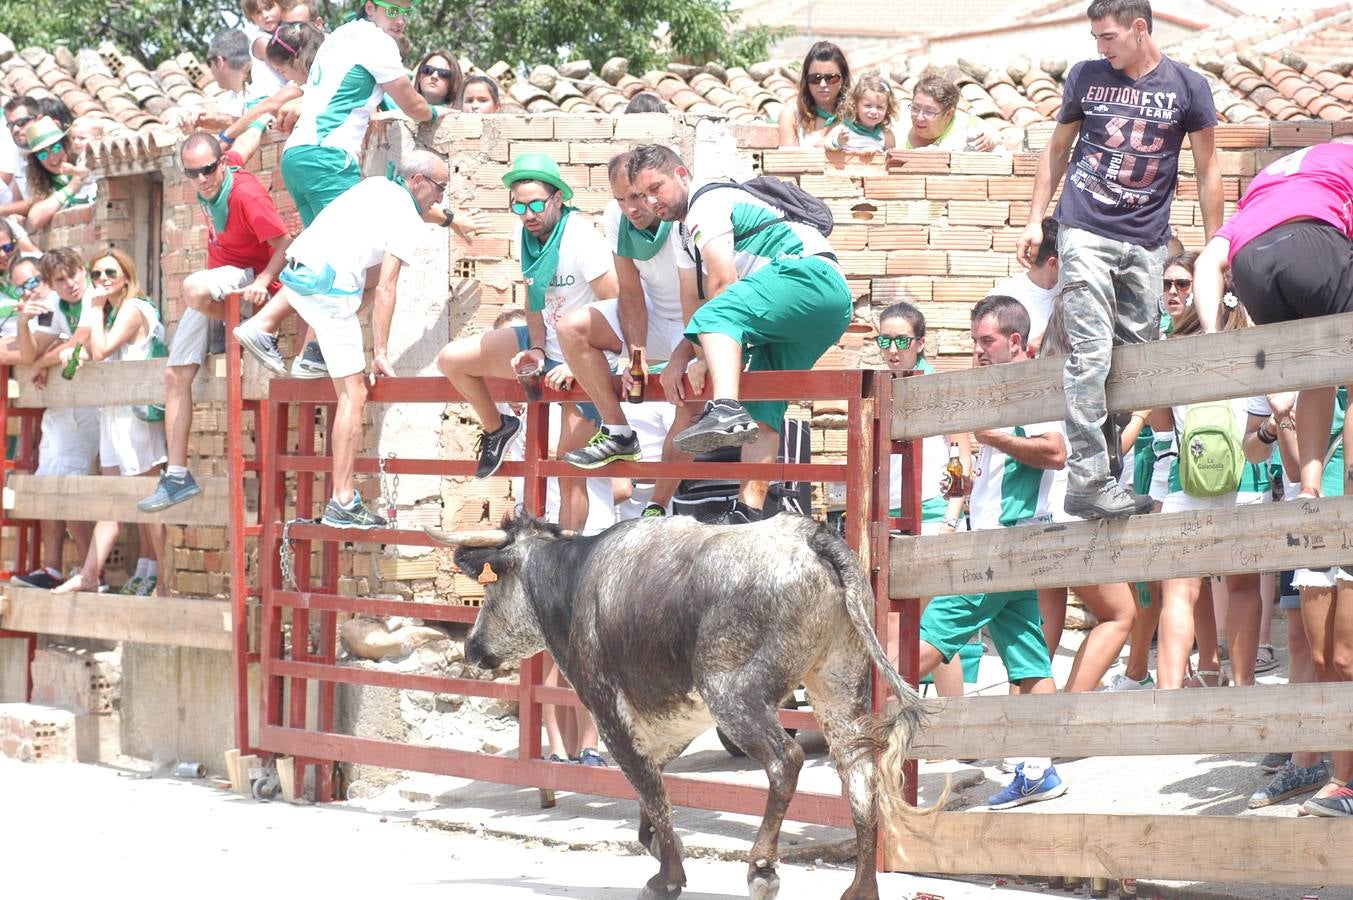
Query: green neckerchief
x,y
831,118
540,261
876,132
9,291
635,243
394,176
923,366
218,208
72,313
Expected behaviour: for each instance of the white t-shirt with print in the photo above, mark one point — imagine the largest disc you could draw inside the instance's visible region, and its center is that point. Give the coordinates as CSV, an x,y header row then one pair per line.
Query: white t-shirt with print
x,y
662,284
1036,300
1006,492
584,256
353,233
721,211
345,87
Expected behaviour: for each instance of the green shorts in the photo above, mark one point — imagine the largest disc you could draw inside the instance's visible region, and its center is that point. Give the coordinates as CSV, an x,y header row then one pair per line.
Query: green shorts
x,y
1012,619
788,314
316,176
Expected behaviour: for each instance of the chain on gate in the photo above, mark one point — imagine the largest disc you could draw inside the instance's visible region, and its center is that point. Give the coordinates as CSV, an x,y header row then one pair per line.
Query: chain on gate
x,y
286,557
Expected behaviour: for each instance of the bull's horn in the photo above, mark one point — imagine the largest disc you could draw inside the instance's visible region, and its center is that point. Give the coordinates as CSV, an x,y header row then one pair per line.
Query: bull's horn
x,y
486,538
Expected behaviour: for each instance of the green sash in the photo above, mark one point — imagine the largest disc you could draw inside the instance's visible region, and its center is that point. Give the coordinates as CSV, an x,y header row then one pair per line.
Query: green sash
x,y
218,208
831,118
635,243
876,132
540,261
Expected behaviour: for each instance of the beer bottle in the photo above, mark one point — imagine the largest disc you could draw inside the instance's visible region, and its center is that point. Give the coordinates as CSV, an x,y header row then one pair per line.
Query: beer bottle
x,y
636,391
68,372
954,468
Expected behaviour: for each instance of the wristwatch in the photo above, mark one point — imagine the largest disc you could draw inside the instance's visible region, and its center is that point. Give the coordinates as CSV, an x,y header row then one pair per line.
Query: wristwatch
x,y
446,223
952,523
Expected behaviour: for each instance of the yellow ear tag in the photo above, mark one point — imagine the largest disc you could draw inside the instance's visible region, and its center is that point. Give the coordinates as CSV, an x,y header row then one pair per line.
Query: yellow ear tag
x,y
487,575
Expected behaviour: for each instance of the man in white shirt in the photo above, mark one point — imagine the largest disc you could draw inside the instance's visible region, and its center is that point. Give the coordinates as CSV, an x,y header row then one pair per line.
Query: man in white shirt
x,y
1037,286
647,318
377,223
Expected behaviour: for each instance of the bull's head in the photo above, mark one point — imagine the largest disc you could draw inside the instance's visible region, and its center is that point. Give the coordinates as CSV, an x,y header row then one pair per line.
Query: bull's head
x,y
507,627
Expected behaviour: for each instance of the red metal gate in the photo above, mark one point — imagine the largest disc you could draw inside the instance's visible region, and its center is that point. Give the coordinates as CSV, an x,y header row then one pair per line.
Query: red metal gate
x,y
283,727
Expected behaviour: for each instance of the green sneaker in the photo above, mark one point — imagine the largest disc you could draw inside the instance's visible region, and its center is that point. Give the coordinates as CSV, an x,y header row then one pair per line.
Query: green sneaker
x,y
132,587
603,449
653,511
147,586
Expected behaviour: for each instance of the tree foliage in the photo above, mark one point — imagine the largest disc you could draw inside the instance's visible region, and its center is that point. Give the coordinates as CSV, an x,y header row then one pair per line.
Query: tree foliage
x,y
522,32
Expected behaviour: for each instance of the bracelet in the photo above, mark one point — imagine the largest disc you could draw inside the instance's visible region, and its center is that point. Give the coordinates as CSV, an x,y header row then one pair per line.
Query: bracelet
x,y
952,523
541,349
436,114
1265,437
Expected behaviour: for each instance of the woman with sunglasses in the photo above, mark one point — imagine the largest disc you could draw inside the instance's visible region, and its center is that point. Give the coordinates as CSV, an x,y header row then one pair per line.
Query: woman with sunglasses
x,y
823,81
901,343
123,325
438,78
57,179
937,123
1178,295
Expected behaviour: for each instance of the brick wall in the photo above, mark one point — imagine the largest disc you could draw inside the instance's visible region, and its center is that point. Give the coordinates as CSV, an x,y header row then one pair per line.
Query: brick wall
x,y
938,229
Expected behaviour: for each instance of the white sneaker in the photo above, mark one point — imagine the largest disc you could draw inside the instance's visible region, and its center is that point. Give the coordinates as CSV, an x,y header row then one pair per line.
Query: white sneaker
x,y
1121,682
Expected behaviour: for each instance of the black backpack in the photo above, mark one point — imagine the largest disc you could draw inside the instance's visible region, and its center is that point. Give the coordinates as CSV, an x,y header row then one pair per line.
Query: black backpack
x,y
798,205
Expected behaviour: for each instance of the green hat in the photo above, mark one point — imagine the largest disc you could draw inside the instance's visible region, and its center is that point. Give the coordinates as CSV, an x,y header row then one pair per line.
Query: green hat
x,y
43,132
537,167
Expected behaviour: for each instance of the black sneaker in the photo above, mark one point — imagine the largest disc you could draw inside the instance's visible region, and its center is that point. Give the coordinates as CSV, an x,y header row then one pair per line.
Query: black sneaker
x,y
653,511
724,423
493,445
354,515
739,514
603,449
1113,501
39,578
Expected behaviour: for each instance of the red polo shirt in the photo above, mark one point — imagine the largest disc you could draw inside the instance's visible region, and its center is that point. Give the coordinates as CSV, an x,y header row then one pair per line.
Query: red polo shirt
x,y
252,222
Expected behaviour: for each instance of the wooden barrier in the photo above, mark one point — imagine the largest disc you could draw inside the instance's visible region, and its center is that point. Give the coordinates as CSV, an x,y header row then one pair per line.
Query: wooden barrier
x,y
1308,533
1236,849
94,498
131,382
1260,719
178,621
1263,360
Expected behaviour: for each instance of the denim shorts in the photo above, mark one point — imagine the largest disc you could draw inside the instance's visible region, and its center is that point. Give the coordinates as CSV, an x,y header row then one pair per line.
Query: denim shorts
x,y
589,410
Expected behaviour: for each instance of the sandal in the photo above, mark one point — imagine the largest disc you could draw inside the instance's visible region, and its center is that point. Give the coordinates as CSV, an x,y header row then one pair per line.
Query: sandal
x,y
1199,679
1266,660
1329,788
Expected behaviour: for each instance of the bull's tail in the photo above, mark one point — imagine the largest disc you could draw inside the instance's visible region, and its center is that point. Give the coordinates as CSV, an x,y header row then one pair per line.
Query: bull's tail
x,y
890,734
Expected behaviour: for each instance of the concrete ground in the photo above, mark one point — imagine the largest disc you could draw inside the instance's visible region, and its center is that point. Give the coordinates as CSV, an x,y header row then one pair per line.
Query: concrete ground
x,y
89,828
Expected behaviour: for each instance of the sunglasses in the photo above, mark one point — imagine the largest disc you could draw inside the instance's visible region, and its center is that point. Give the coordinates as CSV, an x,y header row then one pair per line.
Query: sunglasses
x,y
901,341
824,78
443,74
535,206
6,248
277,39
439,185
21,121
1179,284
203,171
104,273
391,10
31,284
45,152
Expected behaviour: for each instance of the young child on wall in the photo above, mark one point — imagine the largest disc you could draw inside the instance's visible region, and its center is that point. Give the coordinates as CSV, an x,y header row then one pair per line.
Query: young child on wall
x,y
866,117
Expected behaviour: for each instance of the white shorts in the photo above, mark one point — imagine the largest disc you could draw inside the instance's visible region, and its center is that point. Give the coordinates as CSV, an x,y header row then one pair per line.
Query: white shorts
x,y
1252,498
337,328
189,346
127,443
1178,501
70,441
663,334
1319,578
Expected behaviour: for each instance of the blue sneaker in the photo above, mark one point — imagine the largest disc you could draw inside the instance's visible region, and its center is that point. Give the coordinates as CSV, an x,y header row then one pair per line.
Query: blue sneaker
x,y
592,759
168,492
1023,790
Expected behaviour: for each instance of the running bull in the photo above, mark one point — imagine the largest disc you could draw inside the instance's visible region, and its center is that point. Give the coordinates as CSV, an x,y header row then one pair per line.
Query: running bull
x,y
667,627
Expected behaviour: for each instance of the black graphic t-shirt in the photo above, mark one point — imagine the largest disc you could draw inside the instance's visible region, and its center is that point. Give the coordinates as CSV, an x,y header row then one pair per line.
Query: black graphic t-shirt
x,y
1122,173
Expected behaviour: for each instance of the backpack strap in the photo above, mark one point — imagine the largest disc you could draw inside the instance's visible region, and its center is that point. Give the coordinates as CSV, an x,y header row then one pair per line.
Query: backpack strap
x,y
694,251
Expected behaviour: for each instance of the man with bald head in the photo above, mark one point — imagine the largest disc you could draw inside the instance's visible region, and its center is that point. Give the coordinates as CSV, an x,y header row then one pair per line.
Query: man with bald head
x,y
375,225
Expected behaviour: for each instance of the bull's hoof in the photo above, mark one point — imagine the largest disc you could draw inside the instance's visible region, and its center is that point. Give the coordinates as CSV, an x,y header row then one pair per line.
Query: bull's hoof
x,y
763,884
658,889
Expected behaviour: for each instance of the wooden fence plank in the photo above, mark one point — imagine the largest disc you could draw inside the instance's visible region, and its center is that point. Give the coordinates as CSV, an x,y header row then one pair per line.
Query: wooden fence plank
x,y
93,498
134,382
178,621
1268,359
1278,718
1315,533
1264,850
